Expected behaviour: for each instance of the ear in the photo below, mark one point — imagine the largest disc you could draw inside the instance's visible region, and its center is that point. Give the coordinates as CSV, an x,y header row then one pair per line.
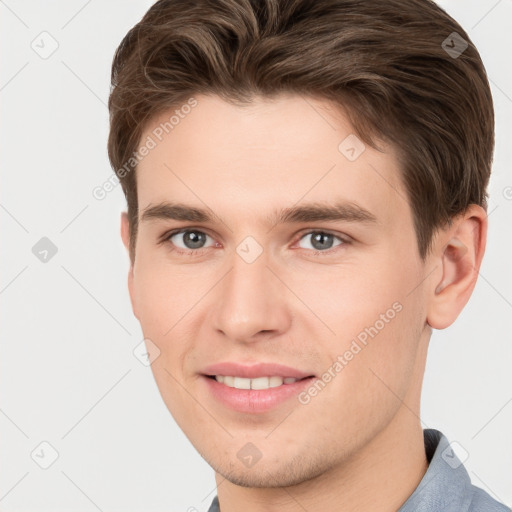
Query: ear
x,y
125,236
458,250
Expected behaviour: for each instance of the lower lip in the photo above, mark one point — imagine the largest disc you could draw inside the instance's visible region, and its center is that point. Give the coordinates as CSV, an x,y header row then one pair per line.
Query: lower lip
x,y
255,400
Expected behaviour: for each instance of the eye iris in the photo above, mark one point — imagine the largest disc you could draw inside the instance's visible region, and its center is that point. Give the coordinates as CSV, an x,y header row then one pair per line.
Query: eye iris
x,y
319,237
193,239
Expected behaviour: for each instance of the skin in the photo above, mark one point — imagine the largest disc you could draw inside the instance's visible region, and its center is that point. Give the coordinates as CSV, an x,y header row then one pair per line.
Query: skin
x,y
358,444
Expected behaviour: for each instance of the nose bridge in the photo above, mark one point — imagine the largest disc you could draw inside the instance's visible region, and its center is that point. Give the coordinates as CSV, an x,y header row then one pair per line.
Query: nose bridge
x,y
248,301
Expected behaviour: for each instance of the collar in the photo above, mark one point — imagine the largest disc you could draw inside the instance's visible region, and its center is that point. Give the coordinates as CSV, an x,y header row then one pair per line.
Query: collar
x,y
446,484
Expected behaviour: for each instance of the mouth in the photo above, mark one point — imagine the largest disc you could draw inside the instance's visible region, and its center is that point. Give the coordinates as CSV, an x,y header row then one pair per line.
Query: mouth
x,y
253,387
254,395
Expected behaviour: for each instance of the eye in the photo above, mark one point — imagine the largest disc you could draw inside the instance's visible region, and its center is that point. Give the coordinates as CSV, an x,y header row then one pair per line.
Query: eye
x,y
322,241
192,241
187,240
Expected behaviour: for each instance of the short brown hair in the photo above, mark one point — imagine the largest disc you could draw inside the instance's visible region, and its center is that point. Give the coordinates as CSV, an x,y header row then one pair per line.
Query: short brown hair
x,y
386,63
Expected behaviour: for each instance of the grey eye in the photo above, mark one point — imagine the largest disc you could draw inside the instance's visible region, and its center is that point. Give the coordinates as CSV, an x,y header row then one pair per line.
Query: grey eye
x,y
190,238
321,241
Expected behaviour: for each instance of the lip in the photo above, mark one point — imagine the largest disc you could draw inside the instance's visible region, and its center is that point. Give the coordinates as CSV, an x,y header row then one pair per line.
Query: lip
x,y
253,371
254,401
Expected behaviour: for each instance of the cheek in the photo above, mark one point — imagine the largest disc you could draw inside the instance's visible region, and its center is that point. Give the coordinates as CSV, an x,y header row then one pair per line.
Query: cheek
x,y
356,296
377,324
163,295
164,305
375,375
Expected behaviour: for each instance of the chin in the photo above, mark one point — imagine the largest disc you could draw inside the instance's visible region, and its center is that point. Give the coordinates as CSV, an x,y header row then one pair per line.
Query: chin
x,y
263,475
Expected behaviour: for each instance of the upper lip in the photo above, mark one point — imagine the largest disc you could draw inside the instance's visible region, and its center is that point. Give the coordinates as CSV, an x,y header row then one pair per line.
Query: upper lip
x,y
252,371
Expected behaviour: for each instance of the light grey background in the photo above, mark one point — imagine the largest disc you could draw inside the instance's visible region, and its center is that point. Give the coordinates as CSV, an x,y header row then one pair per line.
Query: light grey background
x,y
67,372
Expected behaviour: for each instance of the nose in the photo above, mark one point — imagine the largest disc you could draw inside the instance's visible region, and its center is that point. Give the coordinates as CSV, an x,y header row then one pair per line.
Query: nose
x,y
250,303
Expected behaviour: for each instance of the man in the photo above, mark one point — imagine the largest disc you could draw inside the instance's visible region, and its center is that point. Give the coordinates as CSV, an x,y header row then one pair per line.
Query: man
x,y
306,187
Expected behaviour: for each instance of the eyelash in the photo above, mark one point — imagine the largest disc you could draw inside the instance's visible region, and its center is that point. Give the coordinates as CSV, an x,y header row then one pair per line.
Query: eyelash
x,y
193,252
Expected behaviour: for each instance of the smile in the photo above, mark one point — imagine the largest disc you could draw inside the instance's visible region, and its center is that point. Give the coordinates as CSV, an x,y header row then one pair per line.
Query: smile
x,y
254,395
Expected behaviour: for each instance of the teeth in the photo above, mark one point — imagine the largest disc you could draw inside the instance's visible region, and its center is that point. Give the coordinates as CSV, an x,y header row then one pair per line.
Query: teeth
x,y
241,383
258,383
273,382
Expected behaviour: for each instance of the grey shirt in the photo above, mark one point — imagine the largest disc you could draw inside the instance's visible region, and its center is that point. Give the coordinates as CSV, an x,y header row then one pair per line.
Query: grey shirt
x,y
445,487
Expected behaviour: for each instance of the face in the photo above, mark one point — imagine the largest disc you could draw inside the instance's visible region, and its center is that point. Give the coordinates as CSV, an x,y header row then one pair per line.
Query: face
x,y
269,282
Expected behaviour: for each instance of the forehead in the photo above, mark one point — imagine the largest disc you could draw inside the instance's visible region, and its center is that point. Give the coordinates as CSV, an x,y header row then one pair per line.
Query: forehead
x,y
268,155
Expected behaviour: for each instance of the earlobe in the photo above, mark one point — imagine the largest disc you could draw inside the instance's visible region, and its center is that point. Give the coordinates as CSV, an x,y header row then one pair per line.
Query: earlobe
x,y
460,258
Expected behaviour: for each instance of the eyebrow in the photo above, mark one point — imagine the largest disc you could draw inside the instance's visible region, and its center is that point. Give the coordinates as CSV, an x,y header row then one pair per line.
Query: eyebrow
x,y
311,212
